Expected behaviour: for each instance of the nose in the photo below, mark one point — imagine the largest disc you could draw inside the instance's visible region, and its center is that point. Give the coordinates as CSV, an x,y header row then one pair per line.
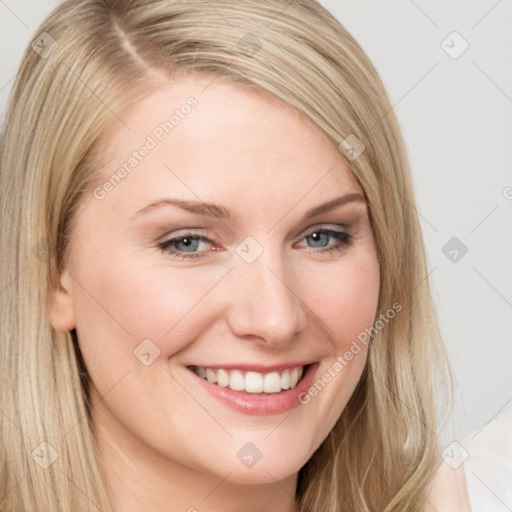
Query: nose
x,y
264,302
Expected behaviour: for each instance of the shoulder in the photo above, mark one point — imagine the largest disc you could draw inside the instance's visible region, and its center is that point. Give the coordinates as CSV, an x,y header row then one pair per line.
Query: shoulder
x,y
488,466
448,491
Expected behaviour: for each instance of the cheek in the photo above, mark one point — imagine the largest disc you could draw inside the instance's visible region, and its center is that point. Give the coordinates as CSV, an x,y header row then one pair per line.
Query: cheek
x,y
345,298
120,301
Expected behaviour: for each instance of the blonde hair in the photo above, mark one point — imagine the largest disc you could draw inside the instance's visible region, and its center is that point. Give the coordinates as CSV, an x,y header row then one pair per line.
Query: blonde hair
x,y
96,57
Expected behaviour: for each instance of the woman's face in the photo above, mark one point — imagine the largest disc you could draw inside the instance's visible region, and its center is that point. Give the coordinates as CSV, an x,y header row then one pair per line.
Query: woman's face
x,y
274,281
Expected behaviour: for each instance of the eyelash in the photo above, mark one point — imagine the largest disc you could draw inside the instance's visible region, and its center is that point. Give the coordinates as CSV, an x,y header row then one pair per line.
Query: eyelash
x,y
344,239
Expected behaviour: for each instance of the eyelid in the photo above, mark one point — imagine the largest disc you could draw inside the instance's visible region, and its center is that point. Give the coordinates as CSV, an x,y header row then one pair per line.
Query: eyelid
x,y
203,233
335,232
330,229
169,235
325,227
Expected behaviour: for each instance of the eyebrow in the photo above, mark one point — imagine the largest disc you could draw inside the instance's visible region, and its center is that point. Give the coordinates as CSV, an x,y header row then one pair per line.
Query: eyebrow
x,y
214,210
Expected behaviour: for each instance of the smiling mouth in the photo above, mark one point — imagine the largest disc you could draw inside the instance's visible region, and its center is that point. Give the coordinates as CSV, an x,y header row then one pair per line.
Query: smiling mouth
x,y
251,381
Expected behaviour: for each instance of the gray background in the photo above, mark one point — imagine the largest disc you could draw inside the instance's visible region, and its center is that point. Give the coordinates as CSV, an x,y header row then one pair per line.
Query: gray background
x,y
456,117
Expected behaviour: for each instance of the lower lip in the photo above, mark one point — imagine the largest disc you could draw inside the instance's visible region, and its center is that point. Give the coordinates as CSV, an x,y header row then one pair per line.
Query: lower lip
x,y
261,404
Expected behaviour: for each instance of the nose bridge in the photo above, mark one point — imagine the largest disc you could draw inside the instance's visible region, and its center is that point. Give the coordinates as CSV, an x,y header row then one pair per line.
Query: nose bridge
x,y
263,302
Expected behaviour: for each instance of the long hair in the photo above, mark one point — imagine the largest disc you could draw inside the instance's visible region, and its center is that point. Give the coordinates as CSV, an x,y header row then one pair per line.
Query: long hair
x,y
90,60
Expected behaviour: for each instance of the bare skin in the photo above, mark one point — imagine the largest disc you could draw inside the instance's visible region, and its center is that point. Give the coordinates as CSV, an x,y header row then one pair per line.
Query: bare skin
x,y
448,492
167,443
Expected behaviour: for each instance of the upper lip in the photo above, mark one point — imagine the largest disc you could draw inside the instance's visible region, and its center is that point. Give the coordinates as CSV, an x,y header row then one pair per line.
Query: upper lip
x,y
251,367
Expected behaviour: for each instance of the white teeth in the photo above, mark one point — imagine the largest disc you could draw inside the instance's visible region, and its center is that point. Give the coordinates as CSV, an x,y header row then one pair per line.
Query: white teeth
x,y
211,375
285,379
222,378
294,377
272,383
252,382
236,380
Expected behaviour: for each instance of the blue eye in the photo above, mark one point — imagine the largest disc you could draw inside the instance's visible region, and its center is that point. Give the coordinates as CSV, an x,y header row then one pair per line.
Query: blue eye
x,y
188,246
184,246
320,239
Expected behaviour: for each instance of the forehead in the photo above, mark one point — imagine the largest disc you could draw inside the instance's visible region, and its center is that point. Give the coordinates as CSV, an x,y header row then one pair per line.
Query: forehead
x,y
205,137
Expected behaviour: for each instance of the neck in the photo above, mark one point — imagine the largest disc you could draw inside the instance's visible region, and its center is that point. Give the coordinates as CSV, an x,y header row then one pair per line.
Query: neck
x,y
140,478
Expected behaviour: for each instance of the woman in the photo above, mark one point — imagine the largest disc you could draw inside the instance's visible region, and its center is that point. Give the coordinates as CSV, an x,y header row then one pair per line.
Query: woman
x,y
215,291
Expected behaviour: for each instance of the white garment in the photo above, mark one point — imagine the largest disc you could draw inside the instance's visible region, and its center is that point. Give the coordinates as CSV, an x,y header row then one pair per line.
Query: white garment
x,y
488,468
